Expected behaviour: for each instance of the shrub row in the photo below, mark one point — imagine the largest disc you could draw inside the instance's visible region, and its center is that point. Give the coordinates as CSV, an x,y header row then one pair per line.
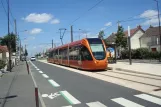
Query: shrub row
x,y
140,53
2,64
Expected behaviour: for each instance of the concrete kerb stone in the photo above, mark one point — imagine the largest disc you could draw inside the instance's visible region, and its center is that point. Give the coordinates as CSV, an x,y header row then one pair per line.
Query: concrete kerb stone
x,y
132,71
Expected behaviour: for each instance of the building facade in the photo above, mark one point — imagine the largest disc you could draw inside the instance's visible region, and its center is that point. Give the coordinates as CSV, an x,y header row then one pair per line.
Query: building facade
x,y
151,39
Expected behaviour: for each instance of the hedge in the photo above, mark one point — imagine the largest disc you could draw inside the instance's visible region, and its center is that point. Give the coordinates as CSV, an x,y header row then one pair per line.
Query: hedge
x,y
140,53
2,64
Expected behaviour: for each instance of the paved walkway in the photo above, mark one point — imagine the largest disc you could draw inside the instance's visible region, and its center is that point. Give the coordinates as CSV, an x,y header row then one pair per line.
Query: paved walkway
x,y
17,88
153,69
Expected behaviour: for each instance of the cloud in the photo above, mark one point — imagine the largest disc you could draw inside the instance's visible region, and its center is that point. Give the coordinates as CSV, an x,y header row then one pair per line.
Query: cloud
x,y
29,38
108,24
34,47
55,21
150,16
38,18
103,28
35,31
153,21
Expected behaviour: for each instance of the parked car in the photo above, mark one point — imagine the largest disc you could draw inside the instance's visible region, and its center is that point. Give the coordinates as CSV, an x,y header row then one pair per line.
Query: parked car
x,y
33,59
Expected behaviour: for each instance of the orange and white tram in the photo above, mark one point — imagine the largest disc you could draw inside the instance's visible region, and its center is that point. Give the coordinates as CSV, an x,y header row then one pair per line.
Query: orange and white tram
x,y
86,54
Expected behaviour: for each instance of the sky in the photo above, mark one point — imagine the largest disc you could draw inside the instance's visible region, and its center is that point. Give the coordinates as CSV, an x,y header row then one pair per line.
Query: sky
x,y
39,21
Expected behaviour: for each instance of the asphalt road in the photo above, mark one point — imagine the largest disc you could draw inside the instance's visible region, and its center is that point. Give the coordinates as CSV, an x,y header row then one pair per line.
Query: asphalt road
x,y
76,90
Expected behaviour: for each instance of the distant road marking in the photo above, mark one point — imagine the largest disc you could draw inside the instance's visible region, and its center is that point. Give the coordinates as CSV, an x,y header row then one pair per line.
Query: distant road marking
x,y
53,83
66,106
69,97
44,75
37,69
96,104
149,98
126,103
40,72
41,100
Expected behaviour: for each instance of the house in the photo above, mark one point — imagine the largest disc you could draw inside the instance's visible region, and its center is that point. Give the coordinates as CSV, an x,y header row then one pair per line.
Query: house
x,y
135,35
151,39
4,54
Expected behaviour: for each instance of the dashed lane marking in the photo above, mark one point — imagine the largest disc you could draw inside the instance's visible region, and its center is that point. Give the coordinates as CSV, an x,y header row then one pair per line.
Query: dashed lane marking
x,y
45,76
37,69
66,106
95,104
69,97
149,98
53,83
40,72
126,103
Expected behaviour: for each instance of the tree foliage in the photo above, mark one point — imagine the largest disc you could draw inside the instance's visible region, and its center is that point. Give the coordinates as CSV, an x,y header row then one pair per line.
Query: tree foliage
x,y
9,38
26,53
101,34
121,40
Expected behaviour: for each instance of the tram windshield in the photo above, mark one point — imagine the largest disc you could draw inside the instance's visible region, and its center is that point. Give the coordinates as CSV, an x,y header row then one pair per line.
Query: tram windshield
x,y
97,48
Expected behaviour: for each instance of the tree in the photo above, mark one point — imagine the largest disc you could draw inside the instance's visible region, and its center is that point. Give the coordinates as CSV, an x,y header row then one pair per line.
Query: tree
x,y
121,40
26,53
9,38
101,34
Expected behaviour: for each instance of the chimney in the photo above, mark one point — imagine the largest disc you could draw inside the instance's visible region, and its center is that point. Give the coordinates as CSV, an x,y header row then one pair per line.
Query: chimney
x,y
138,26
150,26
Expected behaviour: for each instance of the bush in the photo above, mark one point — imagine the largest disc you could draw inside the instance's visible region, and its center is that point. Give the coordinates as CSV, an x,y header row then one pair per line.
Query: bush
x,y
140,53
2,64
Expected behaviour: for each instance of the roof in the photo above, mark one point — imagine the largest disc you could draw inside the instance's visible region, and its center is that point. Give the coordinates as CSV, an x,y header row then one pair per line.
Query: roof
x,y
3,49
111,38
66,45
151,31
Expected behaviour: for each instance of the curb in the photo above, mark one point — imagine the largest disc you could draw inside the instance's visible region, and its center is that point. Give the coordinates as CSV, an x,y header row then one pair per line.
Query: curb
x,y
133,71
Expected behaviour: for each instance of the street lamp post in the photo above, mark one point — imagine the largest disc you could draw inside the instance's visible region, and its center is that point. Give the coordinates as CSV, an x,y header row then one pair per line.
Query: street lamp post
x,y
20,43
129,41
159,23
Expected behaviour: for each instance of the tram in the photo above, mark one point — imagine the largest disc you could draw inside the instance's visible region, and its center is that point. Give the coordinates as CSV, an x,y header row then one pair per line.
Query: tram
x,y
86,54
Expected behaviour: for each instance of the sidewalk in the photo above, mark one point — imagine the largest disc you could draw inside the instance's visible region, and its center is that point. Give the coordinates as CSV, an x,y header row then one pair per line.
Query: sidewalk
x,y
144,68
17,88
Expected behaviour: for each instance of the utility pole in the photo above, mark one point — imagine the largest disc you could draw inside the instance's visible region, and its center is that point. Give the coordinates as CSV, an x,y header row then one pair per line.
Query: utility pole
x,y
52,43
9,42
20,48
71,33
16,41
25,51
159,22
118,24
129,41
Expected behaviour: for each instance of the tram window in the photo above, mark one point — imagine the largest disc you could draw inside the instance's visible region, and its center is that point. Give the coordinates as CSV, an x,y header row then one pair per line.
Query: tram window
x,y
50,54
85,54
70,53
64,54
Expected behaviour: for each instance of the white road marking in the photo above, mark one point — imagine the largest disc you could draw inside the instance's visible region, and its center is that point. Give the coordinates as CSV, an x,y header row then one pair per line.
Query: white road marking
x,y
37,69
51,96
40,72
44,75
126,103
52,82
44,95
69,97
95,104
66,106
41,100
149,98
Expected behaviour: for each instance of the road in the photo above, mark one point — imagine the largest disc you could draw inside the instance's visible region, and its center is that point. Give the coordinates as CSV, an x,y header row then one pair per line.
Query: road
x,y
63,88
